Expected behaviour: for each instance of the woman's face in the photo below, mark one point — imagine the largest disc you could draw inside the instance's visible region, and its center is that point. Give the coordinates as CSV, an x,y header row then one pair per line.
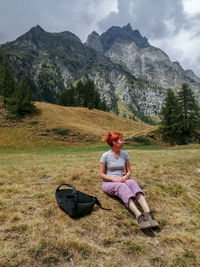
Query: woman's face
x,y
119,143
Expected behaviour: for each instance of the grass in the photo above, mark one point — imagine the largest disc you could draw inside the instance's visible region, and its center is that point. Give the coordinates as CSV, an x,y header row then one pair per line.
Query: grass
x,y
58,127
62,145
35,232
78,148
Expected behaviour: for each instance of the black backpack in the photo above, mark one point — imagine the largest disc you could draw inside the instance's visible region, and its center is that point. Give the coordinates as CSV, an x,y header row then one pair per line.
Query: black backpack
x,y
74,202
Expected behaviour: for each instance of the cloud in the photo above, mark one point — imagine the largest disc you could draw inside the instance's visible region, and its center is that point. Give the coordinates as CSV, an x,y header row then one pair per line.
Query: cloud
x,y
155,19
77,16
170,25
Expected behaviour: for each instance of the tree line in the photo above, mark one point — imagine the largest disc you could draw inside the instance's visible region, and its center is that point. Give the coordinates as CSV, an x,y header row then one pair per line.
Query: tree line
x,y
180,116
82,95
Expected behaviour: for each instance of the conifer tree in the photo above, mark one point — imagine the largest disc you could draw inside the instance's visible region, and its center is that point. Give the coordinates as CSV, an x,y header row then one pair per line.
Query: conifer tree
x,y
79,94
88,94
92,98
171,118
190,110
20,102
7,82
66,98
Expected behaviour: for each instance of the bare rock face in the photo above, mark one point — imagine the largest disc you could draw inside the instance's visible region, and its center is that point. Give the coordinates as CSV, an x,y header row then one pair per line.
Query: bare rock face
x,y
151,64
128,48
94,42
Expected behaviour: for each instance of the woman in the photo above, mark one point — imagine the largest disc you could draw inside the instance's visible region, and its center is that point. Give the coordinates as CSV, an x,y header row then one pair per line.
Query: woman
x,y
116,172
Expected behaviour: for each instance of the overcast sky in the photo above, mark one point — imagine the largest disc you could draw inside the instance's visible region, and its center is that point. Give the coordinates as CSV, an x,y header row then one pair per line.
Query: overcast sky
x,y
172,25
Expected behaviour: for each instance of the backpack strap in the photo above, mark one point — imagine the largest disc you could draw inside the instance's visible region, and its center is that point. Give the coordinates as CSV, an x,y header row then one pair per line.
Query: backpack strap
x,y
73,188
99,204
74,191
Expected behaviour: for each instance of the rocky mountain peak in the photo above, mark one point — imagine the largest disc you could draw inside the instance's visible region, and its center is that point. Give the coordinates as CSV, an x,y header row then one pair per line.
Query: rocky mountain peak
x,y
93,41
127,28
34,35
125,33
37,29
37,38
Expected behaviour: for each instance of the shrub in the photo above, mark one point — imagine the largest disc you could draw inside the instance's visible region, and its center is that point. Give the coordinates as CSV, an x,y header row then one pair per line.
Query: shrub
x,y
10,116
60,131
33,122
142,139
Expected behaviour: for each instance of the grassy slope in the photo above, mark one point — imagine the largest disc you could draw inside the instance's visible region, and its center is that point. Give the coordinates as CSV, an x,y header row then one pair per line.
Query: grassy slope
x,y
86,126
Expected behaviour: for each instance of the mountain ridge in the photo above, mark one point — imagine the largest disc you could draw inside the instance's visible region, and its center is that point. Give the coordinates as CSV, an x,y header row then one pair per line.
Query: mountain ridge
x,y
143,60
54,61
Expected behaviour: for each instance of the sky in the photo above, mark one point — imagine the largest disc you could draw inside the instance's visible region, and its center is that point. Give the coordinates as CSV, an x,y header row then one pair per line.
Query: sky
x,y
171,25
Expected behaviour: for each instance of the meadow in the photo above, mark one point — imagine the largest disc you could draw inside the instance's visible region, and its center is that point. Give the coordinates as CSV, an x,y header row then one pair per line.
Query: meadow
x,y
35,232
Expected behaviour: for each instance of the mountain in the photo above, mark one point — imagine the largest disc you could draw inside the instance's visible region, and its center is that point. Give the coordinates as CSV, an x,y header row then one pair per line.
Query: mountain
x,y
53,61
128,48
129,73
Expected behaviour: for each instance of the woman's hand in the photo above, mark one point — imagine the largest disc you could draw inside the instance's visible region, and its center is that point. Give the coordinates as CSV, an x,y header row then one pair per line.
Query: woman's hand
x,y
121,179
125,177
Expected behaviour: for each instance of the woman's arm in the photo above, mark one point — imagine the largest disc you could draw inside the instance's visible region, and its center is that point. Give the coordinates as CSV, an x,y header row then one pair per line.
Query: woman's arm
x,y
127,175
105,177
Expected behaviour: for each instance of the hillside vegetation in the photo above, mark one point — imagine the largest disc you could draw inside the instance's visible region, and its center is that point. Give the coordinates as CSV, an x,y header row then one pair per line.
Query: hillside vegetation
x,y
60,127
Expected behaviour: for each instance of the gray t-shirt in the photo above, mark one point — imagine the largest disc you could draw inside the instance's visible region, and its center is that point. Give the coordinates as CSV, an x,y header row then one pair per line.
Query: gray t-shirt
x,y
115,166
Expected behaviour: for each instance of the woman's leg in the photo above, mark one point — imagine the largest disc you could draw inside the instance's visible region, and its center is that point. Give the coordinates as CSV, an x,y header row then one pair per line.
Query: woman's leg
x,y
143,203
118,189
147,212
133,208
139,194
137,191
126,195
134,187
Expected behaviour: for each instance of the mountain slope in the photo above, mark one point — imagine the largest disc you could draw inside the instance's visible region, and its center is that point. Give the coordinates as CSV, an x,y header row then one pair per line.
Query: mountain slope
x,y
54,61
56,127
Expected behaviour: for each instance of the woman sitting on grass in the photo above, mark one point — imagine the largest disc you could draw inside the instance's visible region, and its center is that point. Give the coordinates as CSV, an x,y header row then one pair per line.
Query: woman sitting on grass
x,y
116,172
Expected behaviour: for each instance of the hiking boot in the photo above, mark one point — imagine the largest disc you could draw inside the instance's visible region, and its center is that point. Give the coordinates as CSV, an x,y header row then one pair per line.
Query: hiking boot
x,y
143,222
150,218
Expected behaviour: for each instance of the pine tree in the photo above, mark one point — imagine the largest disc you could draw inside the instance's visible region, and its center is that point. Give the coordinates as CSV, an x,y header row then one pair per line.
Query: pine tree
x,y
171,118
92,98
20,102
190,110
89,94
79,94
66,98
7,82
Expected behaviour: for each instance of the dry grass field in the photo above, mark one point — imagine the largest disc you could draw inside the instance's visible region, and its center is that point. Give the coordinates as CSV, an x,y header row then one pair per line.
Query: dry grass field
x,y
35,159
46,130
35,232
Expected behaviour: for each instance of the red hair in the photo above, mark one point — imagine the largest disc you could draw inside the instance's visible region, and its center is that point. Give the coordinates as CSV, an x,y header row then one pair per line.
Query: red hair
x,y
111,137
